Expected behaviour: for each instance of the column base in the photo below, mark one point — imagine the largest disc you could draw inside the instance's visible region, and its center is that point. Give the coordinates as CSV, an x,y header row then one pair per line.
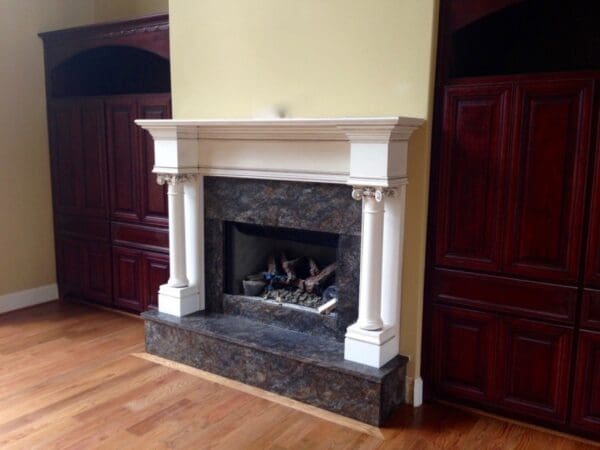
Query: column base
x,y
372,348
178,301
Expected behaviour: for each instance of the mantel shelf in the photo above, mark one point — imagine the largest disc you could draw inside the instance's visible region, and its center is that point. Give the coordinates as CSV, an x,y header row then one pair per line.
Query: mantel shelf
x,y
368,151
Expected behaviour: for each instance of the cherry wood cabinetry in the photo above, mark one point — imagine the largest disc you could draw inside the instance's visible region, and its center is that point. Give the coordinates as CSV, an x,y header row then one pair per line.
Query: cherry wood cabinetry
x,y
78,157
586,401
513,281
110,214
550,148
469,234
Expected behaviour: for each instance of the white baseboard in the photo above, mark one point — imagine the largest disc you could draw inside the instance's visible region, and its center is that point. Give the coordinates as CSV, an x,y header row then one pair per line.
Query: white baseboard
x,y
414,391
28,297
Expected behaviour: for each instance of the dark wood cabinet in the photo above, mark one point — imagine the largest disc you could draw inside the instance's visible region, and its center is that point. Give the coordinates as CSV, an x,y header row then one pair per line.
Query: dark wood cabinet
x,y
592,265
156,272
153,197
550,149
534,373
124,169
513,280
78,157
110,214
586,398
471,180
465,344
137,276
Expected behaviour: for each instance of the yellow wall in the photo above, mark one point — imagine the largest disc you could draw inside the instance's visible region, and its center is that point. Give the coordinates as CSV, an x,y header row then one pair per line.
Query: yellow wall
x,y
26,234
26,238
316,58
107,10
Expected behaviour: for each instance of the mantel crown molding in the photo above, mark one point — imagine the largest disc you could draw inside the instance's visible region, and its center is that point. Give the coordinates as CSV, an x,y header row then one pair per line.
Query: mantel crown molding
x,y
368,129
368,151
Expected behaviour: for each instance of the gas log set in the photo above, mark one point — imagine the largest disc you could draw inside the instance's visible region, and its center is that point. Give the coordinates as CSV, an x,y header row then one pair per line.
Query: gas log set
x,y
298,281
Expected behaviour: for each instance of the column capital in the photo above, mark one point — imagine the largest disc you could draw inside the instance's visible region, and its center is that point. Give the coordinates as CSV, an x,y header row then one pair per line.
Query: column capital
x,y
174,178
376,192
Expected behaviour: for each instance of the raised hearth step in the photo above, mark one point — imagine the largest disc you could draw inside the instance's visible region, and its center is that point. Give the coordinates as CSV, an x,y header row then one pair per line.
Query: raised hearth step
x,y
307,368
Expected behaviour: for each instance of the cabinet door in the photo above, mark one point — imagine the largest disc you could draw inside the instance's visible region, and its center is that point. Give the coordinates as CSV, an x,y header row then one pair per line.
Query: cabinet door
x,y
586,393
123,158
98,276
70,260
128,278
471,181
94,176
153,197
66,158
536,366
156,272
592,266
464,346
550,149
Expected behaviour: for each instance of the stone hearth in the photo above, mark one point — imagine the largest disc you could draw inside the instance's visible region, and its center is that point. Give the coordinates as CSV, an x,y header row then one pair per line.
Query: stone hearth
x,y
303,176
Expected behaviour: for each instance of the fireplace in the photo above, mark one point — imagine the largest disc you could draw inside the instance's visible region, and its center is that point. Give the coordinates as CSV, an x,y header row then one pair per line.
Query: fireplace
x,y
291,267
286,242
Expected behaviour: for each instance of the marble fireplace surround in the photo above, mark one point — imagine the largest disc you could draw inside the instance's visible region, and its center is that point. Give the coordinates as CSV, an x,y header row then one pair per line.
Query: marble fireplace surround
x,y
368,154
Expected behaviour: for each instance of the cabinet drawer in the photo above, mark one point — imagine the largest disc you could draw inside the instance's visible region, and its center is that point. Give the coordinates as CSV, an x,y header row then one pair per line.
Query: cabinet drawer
x,y
139,236
502,294
82,227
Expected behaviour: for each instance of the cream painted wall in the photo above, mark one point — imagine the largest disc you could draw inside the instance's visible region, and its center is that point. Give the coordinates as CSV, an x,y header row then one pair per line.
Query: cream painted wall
x,y
26,236
107,10
317,58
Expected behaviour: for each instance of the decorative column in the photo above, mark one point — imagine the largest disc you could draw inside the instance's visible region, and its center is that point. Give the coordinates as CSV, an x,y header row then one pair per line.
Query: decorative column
x,y
391,270
178,297
369,306
369,340
178,277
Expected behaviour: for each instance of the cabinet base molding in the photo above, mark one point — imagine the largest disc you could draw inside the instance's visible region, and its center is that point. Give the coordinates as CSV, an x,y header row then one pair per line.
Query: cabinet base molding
x,y
28,297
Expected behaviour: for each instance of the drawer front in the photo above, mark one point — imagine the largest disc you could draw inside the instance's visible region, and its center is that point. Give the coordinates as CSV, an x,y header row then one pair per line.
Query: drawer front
x,y
500,294
82,227
139,236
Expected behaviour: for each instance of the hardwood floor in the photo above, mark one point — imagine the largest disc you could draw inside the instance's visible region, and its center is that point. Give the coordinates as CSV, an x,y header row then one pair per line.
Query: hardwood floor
x,y
74,377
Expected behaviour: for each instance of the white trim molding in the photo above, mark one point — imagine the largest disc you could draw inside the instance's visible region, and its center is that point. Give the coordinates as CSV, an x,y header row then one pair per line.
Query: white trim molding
x,y
369,154
28,297
414,391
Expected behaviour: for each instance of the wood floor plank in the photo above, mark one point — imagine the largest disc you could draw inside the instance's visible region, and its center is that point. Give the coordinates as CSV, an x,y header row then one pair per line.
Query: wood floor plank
x,y
75,377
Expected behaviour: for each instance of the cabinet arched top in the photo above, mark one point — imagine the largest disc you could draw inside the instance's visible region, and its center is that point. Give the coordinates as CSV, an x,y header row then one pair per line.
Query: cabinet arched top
x,y
150,34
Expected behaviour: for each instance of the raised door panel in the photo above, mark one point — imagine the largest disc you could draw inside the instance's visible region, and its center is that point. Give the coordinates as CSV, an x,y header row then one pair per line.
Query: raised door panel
x,y
592,266
156,272
94,176
98,276
548,171
128,278
471,182
586,394
153,196
70,259
464,346
123,158
536,366
66,156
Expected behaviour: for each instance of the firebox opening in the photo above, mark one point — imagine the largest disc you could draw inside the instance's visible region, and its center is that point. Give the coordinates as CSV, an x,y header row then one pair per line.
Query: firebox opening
x,y
285,265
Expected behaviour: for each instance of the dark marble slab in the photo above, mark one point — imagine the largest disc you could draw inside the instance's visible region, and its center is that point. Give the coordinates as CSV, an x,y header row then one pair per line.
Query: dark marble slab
x,y
307,206
307,368
290,317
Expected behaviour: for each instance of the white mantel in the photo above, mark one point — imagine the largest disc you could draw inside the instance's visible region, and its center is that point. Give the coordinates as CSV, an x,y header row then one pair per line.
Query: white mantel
x,y
369,154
